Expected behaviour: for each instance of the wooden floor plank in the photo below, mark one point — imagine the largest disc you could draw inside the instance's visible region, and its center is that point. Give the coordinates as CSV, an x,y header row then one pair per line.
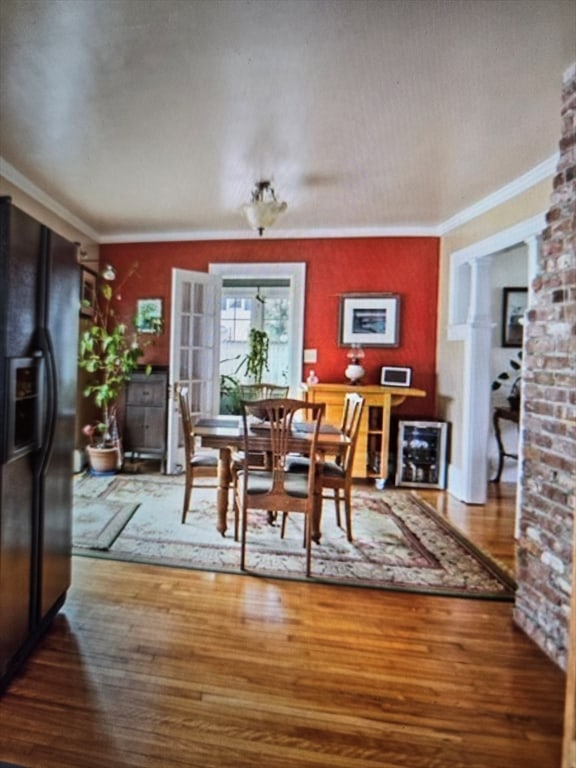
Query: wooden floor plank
x,y
150,666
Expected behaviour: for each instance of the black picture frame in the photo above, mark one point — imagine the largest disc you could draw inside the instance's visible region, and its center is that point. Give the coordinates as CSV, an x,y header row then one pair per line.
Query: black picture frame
x,y
88,292
395,376
369,320
514,303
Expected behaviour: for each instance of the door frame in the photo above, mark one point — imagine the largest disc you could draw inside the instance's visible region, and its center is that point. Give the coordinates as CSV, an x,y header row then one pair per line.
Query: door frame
x,y
295,272
470,322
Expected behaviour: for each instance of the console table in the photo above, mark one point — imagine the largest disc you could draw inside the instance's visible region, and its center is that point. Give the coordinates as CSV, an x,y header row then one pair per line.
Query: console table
x,y
503,414
371,457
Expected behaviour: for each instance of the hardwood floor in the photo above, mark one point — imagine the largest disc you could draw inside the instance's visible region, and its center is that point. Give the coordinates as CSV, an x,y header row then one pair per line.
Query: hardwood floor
x,y
149,666
489,526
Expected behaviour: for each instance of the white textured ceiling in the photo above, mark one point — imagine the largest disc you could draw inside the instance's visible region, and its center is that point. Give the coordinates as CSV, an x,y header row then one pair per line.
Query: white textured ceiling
x,y
157,116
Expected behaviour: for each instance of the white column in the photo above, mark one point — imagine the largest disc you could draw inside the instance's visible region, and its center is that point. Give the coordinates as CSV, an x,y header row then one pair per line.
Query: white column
x,y
476,385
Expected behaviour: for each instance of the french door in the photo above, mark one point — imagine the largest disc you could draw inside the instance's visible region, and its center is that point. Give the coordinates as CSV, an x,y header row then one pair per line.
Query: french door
x,y
194,350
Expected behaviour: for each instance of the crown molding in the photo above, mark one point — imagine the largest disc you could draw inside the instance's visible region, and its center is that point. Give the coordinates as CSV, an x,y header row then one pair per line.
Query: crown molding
x,y
14,176
275,234
537,174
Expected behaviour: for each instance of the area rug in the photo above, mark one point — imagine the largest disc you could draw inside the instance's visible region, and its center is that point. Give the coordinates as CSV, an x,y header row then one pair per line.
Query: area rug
x,y
98,522
400,541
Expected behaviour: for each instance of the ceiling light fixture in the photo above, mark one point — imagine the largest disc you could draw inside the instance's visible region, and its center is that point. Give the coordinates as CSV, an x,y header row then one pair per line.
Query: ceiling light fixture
x,y
109,273
263,210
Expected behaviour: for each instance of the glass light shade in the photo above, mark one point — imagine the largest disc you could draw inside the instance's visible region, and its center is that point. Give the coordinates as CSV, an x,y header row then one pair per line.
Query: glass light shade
x,y
355,353
263,210
261,215
354,372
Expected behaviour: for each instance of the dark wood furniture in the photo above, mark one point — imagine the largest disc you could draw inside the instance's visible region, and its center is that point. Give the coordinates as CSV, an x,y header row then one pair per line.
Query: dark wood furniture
x,y
198,463
336,475
226,434
503,414
275,487
145,415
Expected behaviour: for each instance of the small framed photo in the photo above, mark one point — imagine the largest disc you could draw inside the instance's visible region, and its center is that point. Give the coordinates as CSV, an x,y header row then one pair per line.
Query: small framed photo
x,y
87,292
394,376
370,319
149,315
514,303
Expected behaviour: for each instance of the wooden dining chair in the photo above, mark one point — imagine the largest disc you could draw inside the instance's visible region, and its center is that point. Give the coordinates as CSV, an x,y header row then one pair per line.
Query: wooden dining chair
x,y
250,392
274,488
198,464
336,474
262,391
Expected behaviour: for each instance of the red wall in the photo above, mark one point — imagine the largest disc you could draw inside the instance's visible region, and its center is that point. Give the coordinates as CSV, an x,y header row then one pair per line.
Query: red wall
x,y
407,266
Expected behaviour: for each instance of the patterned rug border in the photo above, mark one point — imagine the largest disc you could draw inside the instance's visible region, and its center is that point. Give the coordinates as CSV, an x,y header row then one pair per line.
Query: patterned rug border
x,y
119,515
498,572
504,597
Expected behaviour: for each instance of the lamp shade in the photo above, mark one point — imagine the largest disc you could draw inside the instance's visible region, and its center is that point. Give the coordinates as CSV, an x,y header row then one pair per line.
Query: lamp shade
x,y
263,210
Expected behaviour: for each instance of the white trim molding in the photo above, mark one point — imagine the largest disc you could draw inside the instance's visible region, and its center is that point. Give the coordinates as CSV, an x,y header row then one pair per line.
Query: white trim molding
x,y
19,180
516,187
539,173
469,321
460,262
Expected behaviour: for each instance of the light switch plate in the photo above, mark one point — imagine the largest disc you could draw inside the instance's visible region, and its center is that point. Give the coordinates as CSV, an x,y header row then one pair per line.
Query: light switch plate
x,y
310,355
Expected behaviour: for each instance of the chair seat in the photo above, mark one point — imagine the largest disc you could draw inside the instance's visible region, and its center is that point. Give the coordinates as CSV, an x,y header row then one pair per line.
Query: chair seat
x,y
204,460
260,482
329,468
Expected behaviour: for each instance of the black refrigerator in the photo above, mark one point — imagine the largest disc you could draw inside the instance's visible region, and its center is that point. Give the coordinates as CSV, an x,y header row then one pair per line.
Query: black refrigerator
x,y
39,302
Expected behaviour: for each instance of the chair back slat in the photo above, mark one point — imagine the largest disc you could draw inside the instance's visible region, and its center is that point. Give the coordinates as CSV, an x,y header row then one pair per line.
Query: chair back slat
x,y
262,391
276,489
350,426
186,423
279,414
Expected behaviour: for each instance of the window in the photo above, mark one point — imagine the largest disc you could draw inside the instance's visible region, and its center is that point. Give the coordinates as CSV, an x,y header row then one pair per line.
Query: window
x,y
246,304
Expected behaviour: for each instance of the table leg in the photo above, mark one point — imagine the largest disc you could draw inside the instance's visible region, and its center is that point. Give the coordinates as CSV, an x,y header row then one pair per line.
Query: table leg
x,y
317,518
224,479
496,424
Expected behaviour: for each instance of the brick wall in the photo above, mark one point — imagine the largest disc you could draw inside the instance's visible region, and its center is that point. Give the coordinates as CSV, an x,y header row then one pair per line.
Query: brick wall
x,y
548,477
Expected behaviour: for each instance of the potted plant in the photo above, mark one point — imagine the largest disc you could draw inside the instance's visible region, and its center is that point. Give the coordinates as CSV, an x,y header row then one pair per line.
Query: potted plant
x,y
513,379
255,361
109,351
251,367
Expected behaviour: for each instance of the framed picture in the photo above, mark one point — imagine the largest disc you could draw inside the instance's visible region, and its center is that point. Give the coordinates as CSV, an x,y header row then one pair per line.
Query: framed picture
x,y
514,303
370,319
87,292
421,457
149,315
394,376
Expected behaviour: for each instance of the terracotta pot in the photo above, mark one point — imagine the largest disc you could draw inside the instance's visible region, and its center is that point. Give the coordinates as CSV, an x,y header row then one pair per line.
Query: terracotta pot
x,y
103,460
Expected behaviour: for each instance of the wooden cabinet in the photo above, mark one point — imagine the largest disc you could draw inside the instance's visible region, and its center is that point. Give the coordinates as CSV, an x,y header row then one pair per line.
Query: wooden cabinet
x,y
371,459
145,414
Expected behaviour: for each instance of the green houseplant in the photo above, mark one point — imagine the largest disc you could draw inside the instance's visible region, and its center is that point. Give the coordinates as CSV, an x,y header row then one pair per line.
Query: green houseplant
x,y
109,352
512,379
251,368
255,361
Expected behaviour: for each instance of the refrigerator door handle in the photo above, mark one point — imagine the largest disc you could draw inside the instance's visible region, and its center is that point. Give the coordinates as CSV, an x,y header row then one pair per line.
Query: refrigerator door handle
x,y
49,399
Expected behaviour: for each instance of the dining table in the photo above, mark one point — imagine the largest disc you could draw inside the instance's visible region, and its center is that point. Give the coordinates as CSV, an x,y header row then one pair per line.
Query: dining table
x,y
226,434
